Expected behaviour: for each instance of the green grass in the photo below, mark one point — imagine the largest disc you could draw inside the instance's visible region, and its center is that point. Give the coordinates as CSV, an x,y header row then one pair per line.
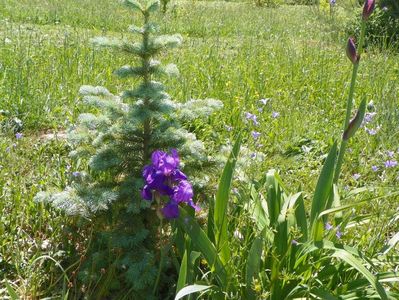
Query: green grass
x,y
234,52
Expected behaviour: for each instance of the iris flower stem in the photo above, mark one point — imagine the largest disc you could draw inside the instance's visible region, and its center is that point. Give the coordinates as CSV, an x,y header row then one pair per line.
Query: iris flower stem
x,y
154,291
349,103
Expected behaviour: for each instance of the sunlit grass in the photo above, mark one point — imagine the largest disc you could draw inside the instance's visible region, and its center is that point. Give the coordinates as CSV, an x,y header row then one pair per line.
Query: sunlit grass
x,y
234,52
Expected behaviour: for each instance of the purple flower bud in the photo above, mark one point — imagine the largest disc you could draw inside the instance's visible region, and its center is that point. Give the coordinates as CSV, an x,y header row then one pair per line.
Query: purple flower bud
x,y
374,168
351,51
368,8
171,210
295,242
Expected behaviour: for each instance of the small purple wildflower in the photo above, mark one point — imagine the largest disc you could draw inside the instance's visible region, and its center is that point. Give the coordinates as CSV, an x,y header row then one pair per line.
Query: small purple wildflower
x,y
295,242
390,154
265,101
368,117
260,109
255,134
374,168
356,176
275,114
251,117
391,163
253,155
18,135
338,233
333,2
76,174
371,131
328,226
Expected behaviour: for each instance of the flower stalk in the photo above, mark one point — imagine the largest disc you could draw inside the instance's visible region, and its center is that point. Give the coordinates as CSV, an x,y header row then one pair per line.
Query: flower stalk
x,y
155,289
354,55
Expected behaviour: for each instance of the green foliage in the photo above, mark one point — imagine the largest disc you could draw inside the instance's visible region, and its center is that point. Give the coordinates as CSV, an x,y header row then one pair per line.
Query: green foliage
x,y
231,51
282,259
268,3
302,2
116,141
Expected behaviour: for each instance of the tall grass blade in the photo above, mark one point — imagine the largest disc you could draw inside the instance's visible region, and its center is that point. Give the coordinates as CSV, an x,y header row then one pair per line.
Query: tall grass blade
x,y
204,245
347,255
11,292
351,260
182,273
322,193
253,264
301,219
191,289
221,201
391,244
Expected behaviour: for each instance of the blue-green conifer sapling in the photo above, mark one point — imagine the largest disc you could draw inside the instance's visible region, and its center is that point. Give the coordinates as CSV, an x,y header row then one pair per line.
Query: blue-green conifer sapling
x,y
116,143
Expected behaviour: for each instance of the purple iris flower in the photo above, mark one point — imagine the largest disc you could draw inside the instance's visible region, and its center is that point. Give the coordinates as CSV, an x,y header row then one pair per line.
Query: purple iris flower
x,y
164,178
171,210
183,192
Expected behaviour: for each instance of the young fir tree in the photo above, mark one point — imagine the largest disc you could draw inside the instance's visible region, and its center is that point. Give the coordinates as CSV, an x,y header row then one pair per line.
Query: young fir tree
x,y
116,143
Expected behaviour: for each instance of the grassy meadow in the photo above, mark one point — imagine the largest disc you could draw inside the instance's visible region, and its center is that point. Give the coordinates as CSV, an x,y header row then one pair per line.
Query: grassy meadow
x,y
232,51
